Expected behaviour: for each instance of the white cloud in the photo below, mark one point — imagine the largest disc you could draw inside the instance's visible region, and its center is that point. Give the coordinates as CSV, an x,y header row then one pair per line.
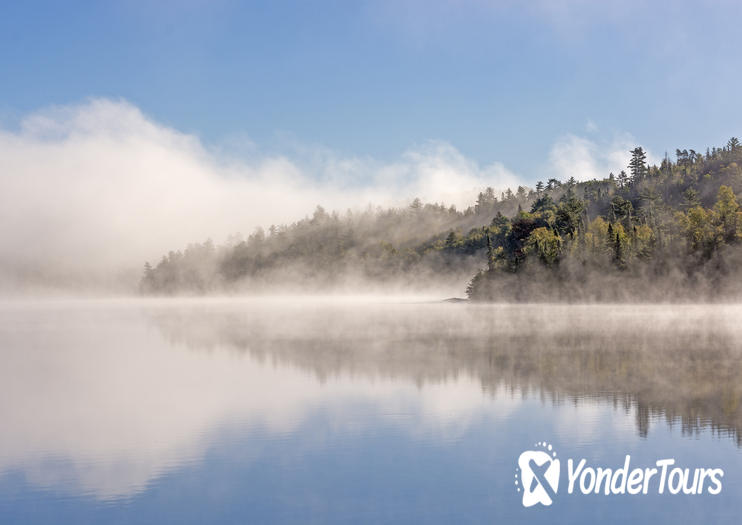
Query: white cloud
x,y
99,186
585,159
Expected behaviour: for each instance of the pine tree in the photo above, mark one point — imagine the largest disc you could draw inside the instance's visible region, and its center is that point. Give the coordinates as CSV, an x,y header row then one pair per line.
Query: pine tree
x,y
690,199
451,239
147,283
490,253
638,164
623,179
618,256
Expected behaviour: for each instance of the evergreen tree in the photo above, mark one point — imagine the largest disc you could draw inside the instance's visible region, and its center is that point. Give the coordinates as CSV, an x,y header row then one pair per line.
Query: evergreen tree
x,y
690,199
638,165
623,179
490,253
451,239
618,255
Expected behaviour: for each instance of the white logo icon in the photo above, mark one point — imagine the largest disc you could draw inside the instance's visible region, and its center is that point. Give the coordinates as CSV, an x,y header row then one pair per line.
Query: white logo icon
x,y
537,475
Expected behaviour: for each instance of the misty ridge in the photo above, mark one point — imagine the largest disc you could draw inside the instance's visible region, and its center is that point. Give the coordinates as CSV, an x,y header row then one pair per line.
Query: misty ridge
x,y
90,191
652,233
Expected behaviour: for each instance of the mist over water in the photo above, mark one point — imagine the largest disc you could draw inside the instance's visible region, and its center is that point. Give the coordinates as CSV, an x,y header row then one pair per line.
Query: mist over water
x,y
380,262
91,191
256,410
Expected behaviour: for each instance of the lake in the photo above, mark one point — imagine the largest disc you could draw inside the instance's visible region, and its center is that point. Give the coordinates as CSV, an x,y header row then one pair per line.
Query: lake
x,y
358,410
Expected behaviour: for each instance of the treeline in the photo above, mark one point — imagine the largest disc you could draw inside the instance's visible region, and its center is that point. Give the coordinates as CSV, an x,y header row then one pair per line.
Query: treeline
x,y
419,244
673,224
654,233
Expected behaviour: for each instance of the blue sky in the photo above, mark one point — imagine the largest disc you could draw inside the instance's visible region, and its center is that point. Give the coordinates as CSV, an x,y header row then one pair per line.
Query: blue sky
x,y
499,81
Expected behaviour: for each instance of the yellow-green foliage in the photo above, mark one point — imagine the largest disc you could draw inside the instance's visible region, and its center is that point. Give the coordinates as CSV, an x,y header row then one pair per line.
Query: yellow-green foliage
x,y
546,244
726,214
596,236
699,230
644,238
706,230
618,230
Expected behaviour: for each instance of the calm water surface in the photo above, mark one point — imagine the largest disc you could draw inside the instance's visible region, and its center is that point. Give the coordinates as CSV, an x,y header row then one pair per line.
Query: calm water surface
x,y
355,411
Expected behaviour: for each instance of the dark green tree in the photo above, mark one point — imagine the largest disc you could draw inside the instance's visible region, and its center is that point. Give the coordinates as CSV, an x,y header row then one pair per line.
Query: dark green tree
x,y
623,179
618,255
638,165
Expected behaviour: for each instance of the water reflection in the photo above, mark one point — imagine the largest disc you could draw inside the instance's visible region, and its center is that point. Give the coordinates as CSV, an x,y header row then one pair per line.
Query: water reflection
x,y
678,363
97,402
113,401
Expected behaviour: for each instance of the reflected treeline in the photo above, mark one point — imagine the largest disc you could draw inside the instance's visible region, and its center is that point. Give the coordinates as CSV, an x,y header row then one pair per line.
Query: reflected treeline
x,y
682,364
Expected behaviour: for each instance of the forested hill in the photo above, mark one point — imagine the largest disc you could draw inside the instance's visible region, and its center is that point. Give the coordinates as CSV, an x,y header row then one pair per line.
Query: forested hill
x,y
650,232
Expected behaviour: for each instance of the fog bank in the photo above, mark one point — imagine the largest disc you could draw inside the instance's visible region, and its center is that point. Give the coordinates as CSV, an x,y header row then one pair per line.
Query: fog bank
x,y
89,192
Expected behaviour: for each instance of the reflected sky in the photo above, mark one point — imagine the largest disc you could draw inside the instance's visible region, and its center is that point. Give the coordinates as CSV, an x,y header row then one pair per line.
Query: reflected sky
x,y
278,410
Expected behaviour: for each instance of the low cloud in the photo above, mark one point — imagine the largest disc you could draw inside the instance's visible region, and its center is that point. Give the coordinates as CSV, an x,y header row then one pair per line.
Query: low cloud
x,y
585,159
99,187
